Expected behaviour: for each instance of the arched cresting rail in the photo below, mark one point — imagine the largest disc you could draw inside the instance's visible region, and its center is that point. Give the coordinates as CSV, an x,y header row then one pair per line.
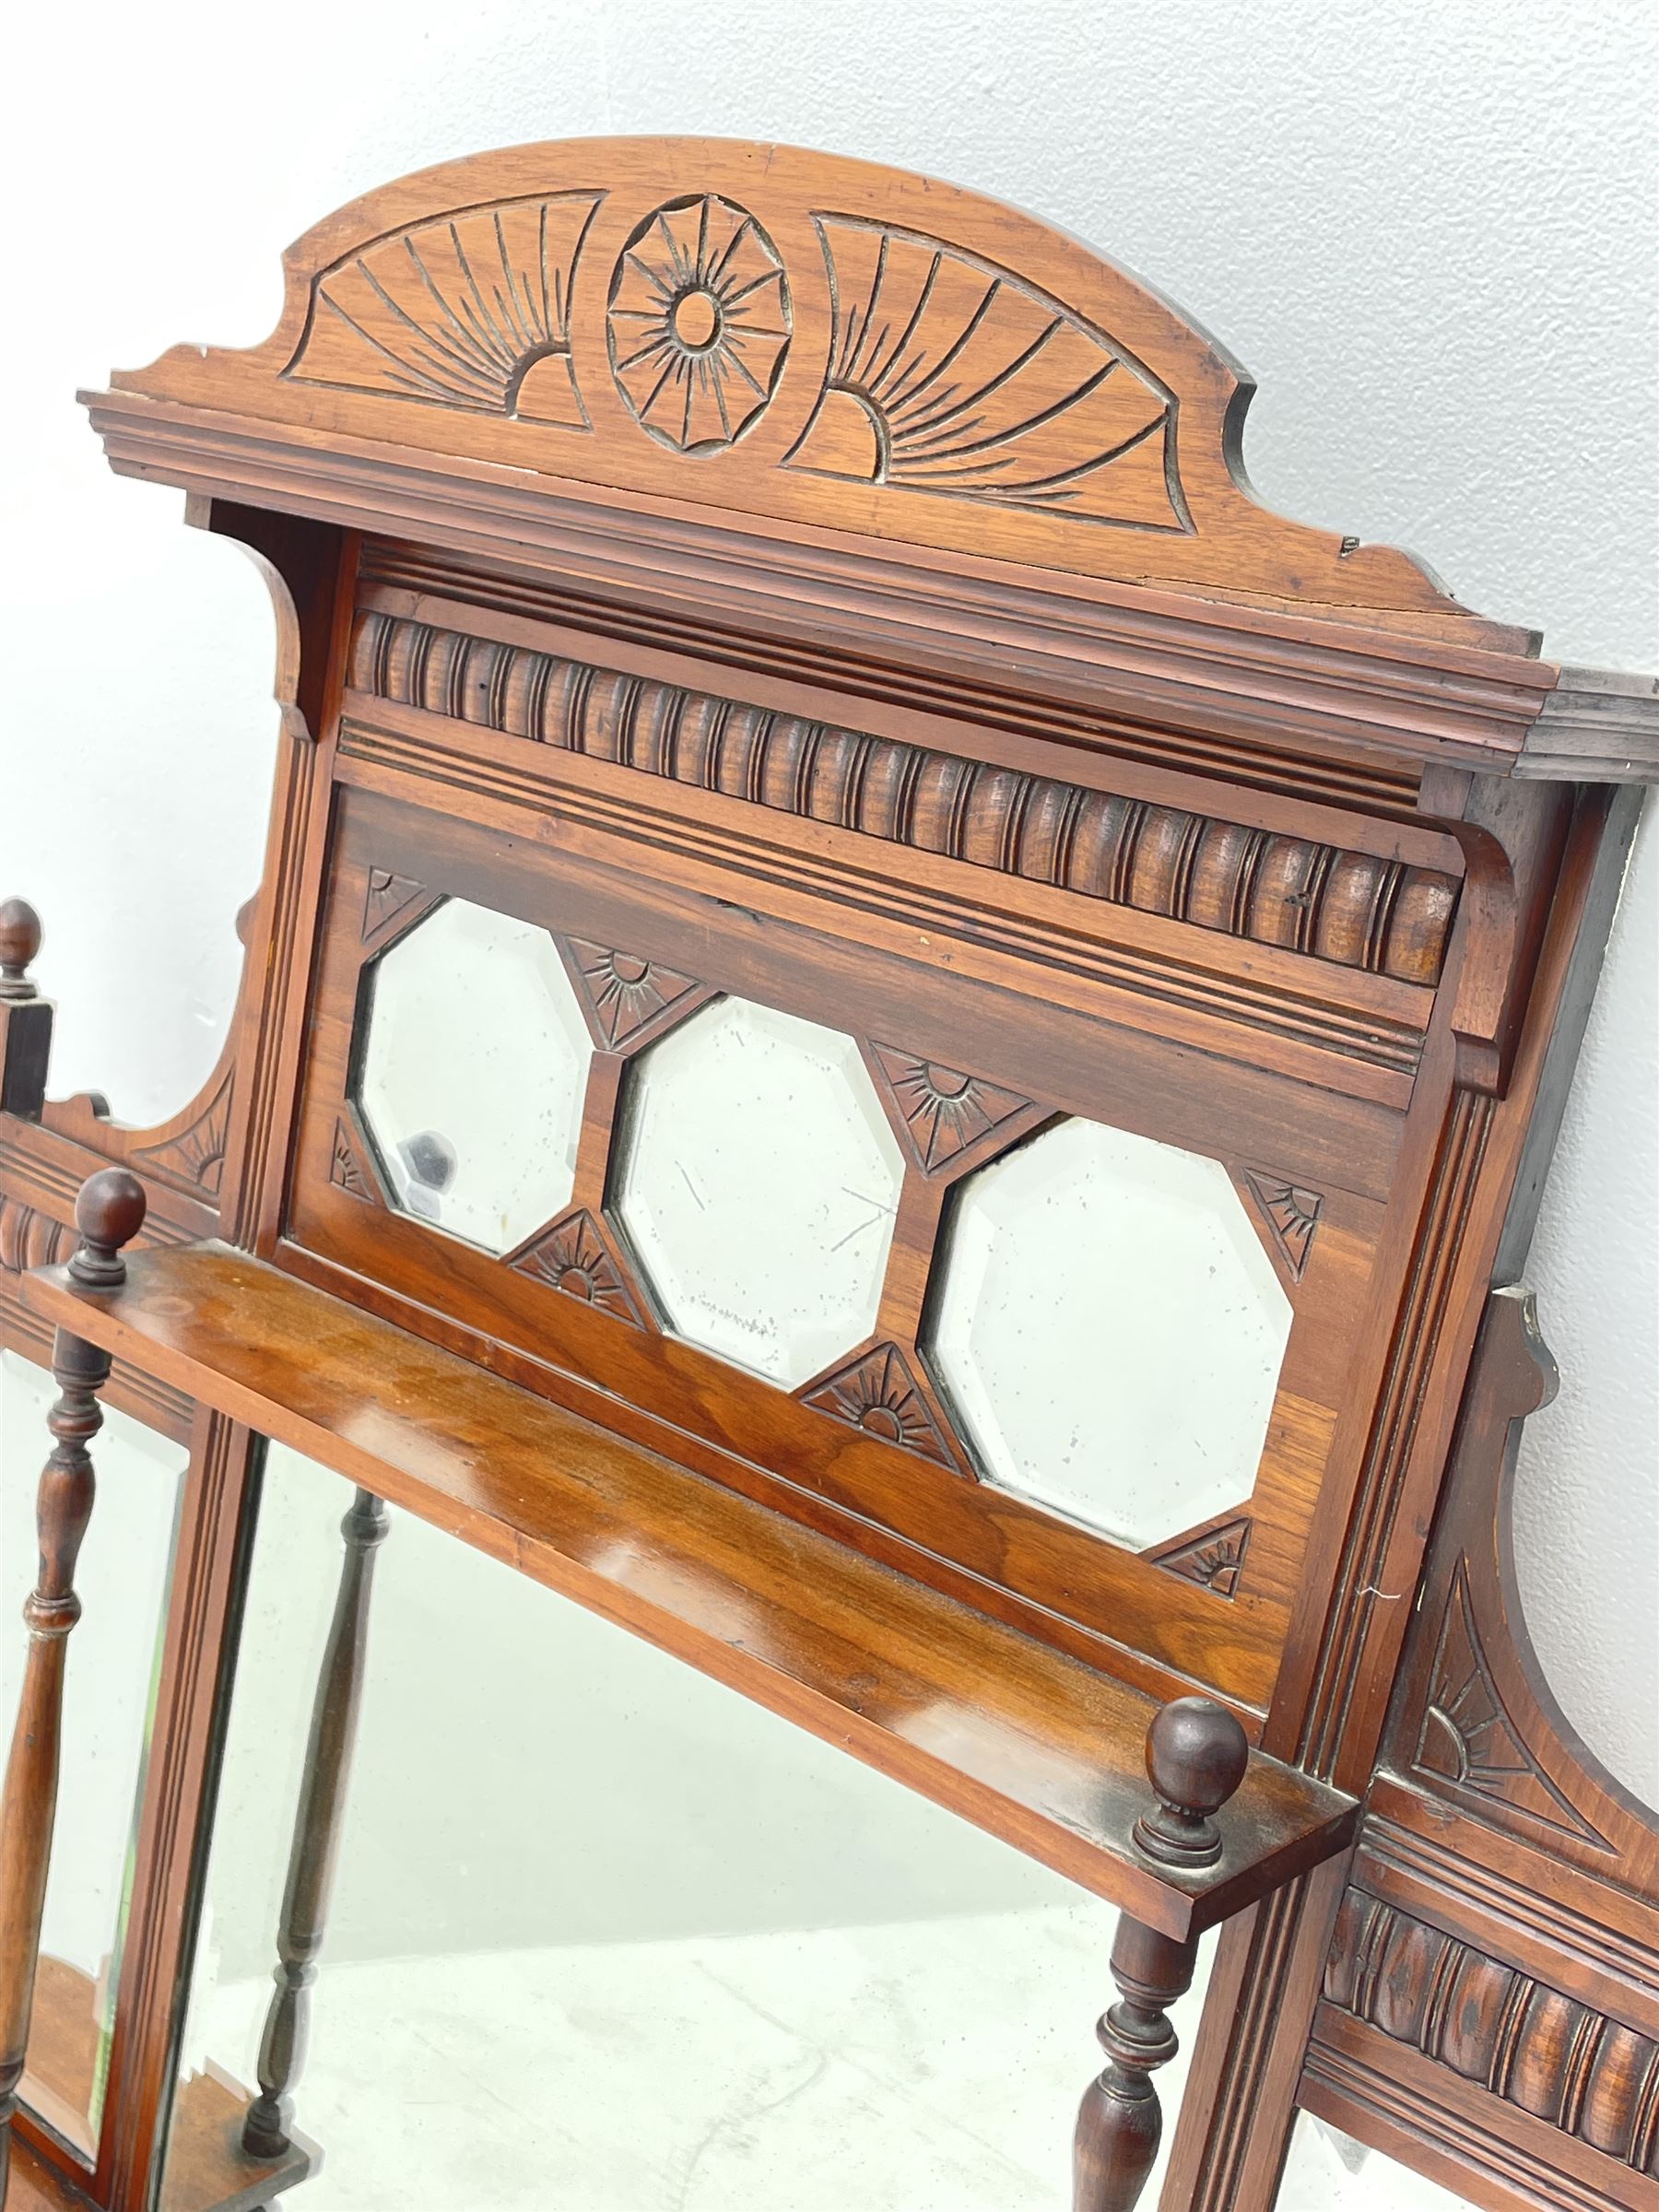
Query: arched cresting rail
x,y
788,615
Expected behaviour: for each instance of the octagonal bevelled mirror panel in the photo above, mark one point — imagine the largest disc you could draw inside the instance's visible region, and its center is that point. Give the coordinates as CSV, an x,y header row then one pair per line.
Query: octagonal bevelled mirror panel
x,y
1109,1330
472,1074
759,1182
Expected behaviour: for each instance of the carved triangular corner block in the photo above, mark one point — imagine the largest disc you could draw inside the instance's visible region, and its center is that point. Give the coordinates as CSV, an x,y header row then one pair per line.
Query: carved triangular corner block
x,y
1291,1213
1468,1737
575,1257
1212,1557
389,901
942,1111
625,994
349,1169
878,1394
194,1159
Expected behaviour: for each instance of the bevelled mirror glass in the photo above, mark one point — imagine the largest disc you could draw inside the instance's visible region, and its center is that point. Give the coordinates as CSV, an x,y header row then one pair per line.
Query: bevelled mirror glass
x,y
1328,2172
605,1935
1109,1330
111,1662
758,1186
471,1072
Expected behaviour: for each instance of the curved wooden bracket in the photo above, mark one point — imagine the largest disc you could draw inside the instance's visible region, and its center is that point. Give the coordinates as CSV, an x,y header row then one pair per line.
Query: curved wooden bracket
x,y
1514,837
1478,1721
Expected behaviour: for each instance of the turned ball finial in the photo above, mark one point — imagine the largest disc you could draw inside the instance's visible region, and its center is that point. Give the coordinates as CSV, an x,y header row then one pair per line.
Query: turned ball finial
x,y
109,1213
1196,1754
20,942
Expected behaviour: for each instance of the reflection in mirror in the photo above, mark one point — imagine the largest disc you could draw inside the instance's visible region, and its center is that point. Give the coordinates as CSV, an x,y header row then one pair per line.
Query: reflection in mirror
x,y
1109,1330
759,1184
113,1660
1328,2172
472,1073
604,1934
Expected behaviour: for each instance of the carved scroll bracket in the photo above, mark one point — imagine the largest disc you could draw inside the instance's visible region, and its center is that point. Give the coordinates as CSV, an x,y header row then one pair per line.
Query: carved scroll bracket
x,y
1514,837
1477,1723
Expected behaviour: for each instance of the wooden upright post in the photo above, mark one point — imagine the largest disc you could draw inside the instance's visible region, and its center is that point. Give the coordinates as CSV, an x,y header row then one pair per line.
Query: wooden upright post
x,y
25,1015
316,1833
109,1213
1196,1754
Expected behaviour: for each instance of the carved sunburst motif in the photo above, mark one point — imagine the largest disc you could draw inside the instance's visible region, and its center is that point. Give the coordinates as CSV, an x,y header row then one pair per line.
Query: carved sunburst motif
x,y
944,1110
574,1257
624,993
950,375
879,1394
470,310
347,1170
196,1158
698,324
1469,1737
1292,1215
389,902
1214,1558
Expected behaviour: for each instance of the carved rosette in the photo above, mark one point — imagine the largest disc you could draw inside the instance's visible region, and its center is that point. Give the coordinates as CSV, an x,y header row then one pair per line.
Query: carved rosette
x,y
698,323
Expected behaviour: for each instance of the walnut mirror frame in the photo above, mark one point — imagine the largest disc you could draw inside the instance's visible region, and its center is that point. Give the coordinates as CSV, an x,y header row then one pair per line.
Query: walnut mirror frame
x,y
778,658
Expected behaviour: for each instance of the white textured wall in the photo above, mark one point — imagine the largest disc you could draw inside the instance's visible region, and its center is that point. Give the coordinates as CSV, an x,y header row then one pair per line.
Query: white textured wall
x,y
1429,229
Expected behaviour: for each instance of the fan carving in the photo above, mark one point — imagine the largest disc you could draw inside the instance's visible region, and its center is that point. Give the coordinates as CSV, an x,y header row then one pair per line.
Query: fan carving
x,y
878,1394
944,1110
348,1170
949,375
1291,1215
625,993
470,311
574,1257
1214,1558
1469,1739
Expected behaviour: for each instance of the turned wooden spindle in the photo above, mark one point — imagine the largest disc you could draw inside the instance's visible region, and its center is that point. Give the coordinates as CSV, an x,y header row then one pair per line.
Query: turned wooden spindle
x,y
1197,1753
25,1015
109,1213
317,1834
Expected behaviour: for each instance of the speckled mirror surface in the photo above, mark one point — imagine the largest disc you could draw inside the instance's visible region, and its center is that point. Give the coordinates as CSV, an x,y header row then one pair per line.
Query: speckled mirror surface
x,y
1109,1330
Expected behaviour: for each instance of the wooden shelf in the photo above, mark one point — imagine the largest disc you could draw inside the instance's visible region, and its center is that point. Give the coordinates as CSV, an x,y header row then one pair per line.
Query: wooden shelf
x,y
1028,1743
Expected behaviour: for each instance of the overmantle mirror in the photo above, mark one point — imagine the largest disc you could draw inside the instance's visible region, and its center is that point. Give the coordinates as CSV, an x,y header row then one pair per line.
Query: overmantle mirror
x,y
894,1069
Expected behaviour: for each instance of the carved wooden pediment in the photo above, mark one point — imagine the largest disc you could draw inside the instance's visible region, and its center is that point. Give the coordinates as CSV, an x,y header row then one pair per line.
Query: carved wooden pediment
x,y
812,340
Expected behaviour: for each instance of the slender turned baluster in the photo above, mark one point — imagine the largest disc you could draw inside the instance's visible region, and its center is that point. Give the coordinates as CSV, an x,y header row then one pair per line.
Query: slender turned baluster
x,y
109,1213
316,1835
1196,1754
